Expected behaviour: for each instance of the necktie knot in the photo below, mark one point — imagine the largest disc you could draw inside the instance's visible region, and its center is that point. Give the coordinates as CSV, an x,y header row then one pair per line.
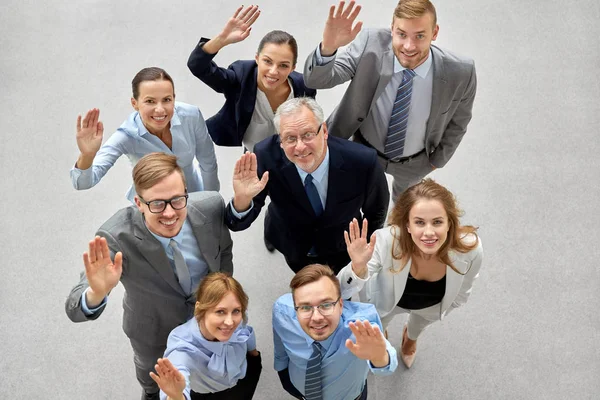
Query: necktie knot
x,y
308,180
409,73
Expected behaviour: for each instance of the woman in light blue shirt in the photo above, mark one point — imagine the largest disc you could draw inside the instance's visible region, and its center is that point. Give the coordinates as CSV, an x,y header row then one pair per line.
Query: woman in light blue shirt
x,y
158,124
213,356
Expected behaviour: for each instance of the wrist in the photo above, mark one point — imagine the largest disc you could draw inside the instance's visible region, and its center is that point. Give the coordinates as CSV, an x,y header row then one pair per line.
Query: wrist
x,y
214,45
360,269
179,397
381,362
327,50
241,203
93,299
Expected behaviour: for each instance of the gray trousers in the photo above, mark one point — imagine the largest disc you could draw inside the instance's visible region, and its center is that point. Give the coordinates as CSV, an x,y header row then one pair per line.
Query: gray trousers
x,y
407,173
144,358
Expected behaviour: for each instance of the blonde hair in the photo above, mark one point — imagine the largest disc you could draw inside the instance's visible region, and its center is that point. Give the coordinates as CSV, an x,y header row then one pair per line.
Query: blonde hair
x,y
404,247
409,9
152,168
213,288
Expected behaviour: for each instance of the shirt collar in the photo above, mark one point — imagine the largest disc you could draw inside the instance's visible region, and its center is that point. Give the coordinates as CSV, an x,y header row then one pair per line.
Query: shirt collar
x,y
422,70
177,238
319,173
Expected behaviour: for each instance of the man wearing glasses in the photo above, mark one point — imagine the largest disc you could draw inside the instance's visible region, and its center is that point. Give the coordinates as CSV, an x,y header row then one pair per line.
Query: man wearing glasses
x,y
317,186
325,347
159,250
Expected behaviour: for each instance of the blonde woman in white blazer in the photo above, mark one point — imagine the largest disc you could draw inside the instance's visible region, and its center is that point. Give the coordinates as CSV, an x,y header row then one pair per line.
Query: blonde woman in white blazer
x,y
424,263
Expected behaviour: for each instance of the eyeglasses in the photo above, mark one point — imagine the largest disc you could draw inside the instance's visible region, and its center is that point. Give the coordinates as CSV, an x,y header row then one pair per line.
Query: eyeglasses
x,y
306,138
325,309
158,206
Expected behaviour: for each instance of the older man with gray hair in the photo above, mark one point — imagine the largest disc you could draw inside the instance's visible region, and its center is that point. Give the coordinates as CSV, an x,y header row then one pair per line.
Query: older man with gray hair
x,y
317,185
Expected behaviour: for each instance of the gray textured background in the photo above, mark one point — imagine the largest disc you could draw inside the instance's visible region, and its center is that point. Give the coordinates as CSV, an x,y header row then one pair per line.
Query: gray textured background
x,y
526,173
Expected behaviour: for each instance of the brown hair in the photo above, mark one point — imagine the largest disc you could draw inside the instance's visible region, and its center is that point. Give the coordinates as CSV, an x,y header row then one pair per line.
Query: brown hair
x,y
280,37
211,291
312,273
149,74
404,247
409,9
153,167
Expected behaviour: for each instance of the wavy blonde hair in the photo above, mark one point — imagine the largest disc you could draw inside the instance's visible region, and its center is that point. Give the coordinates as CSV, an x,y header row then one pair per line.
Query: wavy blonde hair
x,y
404,247
211,291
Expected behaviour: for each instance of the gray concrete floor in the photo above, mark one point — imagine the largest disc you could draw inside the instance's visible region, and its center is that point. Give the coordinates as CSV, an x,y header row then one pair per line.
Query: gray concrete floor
x,y
526,173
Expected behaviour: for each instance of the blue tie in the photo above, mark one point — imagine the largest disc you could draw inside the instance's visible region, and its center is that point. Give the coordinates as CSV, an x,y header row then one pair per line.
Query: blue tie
x,y
394,144
313,195
312,382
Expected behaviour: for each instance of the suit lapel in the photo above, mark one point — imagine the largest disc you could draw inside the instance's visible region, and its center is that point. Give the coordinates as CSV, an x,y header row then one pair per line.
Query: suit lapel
x,y
385,76
438,91
453,283
203,232
337,174
154,253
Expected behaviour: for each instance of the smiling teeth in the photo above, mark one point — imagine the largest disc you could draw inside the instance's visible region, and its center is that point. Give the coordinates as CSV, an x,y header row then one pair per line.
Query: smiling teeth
x,y
159,118
430,241
168,222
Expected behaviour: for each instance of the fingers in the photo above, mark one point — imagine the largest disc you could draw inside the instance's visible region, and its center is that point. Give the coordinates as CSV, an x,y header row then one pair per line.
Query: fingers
x,y
103,247
354,13
118,261
348,9
166,363
331,11
351,346
155,378
372,242
92,250
347,238
357,28
78,127
365,228
253,16
340,8
237,12
100,127
264,179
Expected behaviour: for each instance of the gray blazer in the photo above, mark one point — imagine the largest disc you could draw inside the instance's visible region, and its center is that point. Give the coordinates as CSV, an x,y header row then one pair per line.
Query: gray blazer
x,y
368,63
154,302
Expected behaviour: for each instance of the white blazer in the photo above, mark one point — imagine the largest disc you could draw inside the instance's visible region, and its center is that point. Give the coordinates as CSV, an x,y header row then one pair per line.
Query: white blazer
x,y
384,288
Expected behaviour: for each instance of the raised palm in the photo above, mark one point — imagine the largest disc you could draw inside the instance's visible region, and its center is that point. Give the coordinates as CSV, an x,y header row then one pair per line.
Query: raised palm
x,y
359,250
339,29
102,273
238,27
246,183
89,132
370,343
168,378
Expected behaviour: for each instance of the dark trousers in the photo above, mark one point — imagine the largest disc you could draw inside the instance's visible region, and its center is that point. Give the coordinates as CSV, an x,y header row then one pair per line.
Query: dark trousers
x,y
286,382
335,261
243,390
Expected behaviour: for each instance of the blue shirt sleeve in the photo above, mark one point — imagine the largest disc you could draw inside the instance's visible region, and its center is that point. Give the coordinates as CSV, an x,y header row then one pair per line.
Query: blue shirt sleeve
x,y
84,307
281,358
322,60
205,154
103,161
240,215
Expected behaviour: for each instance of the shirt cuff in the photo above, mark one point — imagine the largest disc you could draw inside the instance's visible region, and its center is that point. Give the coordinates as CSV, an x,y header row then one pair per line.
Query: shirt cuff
x,y
251,342
240,215
322,60
84,307
358,278
82,178
392,364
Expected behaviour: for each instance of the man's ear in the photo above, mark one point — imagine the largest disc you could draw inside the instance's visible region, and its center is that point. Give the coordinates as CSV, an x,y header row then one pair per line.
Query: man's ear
x,y
134,104
325,131
435,32
138,203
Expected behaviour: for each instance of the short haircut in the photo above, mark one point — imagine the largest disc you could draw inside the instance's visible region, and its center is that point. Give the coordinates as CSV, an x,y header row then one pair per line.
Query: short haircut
x,y
409,9
312,273
149,74
280,37
294,105
213,288
152,168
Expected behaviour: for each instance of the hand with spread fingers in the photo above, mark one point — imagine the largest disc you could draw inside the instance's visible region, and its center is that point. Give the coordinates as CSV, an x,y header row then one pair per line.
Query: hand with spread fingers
x,y
246,183
169,379
340,28
101,272
238,28
89,137
359,250
370,343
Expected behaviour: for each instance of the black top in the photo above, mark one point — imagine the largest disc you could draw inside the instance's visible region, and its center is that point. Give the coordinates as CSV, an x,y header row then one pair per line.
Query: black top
x,y
422,294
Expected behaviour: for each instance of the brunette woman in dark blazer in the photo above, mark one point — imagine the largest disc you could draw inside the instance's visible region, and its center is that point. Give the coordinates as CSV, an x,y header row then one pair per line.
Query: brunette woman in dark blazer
x,y
253,89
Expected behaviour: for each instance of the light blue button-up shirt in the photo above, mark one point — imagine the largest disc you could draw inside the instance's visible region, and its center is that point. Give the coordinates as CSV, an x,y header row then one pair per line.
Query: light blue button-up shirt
x,y
188,245
208,366
343,374
190,139
420,102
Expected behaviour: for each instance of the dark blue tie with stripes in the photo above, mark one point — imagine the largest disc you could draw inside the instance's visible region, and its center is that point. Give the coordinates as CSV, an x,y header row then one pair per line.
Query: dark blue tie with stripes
x,y
394,145
312,383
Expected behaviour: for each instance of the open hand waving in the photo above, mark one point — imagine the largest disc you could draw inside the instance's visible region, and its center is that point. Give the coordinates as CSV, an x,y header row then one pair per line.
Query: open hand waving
x,y
339,29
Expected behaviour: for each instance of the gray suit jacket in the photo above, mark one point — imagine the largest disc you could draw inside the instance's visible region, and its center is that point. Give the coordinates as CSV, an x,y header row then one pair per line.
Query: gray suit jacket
x,y
154,302
368,63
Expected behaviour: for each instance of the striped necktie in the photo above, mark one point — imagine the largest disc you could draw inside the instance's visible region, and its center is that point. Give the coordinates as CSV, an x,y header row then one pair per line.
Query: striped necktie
x,y
312,382
394,144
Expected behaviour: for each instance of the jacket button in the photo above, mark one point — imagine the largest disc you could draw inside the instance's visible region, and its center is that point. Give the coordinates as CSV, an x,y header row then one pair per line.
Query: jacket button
x,y
360,119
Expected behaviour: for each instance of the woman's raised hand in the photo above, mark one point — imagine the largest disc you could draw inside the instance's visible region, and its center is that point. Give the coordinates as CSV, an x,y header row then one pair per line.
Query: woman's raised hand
x,y
359,250
169,379
239,26
89,133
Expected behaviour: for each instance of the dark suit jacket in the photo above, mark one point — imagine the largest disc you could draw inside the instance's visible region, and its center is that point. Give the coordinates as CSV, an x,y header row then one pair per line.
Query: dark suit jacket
x,y
238,84
154,302
356,182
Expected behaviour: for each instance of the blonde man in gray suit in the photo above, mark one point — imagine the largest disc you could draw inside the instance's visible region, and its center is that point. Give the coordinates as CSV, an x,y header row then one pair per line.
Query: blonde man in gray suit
x,y
408,99
159,249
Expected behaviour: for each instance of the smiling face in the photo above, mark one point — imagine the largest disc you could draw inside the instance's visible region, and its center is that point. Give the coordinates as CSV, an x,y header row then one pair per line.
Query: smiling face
x,y
275,63
156,105
411,39
307,156
428,225
219,322
318,326
169,222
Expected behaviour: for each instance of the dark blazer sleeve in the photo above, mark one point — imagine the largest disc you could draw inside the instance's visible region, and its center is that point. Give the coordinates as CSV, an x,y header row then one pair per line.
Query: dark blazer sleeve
x,y
225,243
201,64
300,88
377,196
73,302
